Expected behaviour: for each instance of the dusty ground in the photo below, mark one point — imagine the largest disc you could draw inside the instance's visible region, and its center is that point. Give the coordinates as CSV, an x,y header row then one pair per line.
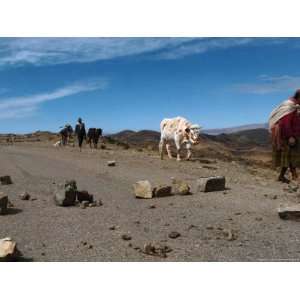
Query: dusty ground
x,y
45,232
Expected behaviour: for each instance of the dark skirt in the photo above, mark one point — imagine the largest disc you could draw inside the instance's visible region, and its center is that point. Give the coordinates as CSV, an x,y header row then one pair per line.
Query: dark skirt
x,y
287,156
80,140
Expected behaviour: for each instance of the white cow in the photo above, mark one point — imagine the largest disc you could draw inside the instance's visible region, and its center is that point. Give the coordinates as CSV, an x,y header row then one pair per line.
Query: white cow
x,y
181,131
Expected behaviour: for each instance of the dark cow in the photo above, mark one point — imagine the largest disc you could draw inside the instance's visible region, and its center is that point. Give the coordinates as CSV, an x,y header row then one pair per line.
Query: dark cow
x,y
93,136
66,133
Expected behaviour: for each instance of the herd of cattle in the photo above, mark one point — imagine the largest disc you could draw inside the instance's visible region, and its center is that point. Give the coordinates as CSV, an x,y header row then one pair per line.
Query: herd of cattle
x,y
177,130
92,138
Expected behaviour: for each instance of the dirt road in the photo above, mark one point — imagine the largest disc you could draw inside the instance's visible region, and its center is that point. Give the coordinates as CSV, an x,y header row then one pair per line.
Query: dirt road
x,y
45,232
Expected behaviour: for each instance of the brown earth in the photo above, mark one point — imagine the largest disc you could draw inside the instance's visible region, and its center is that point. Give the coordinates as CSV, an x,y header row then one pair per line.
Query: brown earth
x,y
239,224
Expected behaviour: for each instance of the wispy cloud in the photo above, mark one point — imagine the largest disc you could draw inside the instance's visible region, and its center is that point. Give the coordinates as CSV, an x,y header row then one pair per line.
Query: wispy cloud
x,y
205,45
270,84
19,107
48,51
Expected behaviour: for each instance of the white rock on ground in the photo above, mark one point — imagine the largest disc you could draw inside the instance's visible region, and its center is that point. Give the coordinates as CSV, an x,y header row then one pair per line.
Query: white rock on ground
x,y
143,189
7,248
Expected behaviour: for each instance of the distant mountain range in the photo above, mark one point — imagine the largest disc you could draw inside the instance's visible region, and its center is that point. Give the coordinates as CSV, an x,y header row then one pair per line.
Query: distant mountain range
x,y
236,138
235,129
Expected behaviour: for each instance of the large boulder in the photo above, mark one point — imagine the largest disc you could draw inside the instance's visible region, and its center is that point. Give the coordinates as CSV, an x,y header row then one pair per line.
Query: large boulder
x,y
162,191
5,180
8,249
289,212
211,184
3,202
66,195
143,189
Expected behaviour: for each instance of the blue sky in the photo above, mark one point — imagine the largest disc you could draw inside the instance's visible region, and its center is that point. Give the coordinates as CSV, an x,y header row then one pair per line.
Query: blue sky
x,y
133,83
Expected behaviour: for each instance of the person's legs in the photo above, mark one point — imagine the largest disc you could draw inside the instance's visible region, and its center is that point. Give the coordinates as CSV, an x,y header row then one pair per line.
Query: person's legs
x,y
80,140
282,177
294,172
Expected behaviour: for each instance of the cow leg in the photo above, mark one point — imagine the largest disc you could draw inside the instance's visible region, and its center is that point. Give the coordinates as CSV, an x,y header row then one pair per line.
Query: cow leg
x,y
161,148
189,152
169,150
177,143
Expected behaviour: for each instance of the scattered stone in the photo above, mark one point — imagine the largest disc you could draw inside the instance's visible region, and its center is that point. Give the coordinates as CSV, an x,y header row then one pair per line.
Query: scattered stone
x,y
66,196
156,250
181,187
84,204
93,204
289,213
85,196
230,235
25,196
90,247
6,180
8,249
152,206
99,202
112,228
192,227
259,219
174,235
102,146
238,213
143,189
126,237
293,187
209,227
43,254
3,203
211,184
111,163
162,191
33,199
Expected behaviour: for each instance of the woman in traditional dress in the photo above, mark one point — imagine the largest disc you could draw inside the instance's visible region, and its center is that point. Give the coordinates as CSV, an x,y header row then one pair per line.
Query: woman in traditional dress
x,y
284,125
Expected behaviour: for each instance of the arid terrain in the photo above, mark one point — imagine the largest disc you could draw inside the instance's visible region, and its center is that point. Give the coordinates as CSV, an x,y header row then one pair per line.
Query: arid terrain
x,y
240,223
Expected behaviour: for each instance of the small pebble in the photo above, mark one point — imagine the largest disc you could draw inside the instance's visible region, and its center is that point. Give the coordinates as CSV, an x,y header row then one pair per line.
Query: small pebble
x,y
174,235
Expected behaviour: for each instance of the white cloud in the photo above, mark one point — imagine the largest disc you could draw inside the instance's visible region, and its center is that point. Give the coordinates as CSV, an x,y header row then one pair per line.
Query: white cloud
x,y
25,106
40,51
205,45
270,84
47,51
